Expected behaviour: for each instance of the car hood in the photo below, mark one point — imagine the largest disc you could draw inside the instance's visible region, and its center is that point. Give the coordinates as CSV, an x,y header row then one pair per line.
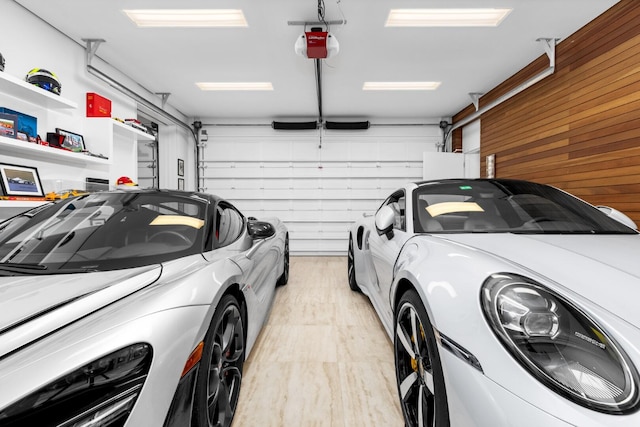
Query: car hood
x,y
602,268
33,306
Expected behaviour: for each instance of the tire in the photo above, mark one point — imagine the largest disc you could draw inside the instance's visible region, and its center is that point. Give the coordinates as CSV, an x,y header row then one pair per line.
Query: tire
x,y
284,277
220,373
419,376
351,267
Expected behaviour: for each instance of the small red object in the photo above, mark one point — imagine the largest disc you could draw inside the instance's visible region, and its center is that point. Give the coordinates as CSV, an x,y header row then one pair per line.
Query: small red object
x,y
316,44
98,106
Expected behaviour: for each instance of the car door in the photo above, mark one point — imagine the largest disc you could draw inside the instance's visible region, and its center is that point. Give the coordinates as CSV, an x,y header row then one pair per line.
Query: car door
x,y
386,247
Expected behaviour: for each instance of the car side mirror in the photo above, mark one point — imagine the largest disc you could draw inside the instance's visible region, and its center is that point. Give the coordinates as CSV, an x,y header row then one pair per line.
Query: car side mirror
x,y
260,229
385,217
618,216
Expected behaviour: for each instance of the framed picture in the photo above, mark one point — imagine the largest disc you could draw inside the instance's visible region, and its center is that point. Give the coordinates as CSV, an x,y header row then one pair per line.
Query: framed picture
x,y
180,167
71,141
180,184
8,125
22,136
20,181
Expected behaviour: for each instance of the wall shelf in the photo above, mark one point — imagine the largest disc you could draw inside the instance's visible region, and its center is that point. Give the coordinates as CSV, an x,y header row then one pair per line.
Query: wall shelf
x,y
25,91
30,150
122,128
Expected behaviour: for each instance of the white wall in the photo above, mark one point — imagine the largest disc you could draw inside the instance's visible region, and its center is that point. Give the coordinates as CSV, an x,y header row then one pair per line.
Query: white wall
x,y
31,43
174,142
471,149
317,192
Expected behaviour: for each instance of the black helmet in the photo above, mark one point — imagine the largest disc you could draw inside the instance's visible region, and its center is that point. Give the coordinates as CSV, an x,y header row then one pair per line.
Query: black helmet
x,y
44,79
1,62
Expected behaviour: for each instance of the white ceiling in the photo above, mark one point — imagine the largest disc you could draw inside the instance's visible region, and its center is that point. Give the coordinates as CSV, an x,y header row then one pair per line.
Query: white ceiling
x,y
465,60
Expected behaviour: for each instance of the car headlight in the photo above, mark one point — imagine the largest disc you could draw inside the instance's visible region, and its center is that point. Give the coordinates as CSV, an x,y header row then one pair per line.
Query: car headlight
x,y
99,394
559,344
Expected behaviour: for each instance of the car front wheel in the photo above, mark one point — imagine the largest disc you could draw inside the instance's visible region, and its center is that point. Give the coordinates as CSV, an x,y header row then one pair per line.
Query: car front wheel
x,y
220,373
418,369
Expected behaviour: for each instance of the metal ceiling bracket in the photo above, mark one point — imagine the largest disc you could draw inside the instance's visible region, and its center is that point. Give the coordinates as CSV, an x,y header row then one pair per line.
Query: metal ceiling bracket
x,y
475,98
549,45
164,96
316,23
92,47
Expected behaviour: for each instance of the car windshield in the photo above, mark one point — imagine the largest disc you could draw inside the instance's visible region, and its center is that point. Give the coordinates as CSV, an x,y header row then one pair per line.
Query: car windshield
x,y
102,231
498,206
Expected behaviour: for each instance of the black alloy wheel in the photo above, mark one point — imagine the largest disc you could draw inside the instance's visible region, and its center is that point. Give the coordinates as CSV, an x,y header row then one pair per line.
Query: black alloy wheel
x,y
418,369
351,267
220,372
284,277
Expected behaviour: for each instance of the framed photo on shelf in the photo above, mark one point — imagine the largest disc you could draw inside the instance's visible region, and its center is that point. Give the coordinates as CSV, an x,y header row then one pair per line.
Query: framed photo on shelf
x,y
180,167
20,181
180,184
71,141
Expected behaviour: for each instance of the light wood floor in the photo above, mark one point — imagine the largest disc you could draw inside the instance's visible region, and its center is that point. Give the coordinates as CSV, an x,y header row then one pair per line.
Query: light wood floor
x,y
323,359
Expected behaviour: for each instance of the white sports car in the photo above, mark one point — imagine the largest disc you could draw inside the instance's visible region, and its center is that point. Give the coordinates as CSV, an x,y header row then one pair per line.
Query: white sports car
x,y
132,308
509,303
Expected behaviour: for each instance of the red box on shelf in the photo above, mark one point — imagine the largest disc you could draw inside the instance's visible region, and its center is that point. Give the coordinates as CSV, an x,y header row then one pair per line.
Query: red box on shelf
x,y
98,106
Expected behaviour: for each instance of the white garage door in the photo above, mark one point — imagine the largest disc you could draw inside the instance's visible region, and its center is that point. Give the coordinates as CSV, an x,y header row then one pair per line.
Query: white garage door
x,y
317,185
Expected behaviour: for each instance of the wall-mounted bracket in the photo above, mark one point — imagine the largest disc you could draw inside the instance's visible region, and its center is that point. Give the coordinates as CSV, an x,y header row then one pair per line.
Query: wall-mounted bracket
x,y
549,45
317,23
164,96
475,98
92,46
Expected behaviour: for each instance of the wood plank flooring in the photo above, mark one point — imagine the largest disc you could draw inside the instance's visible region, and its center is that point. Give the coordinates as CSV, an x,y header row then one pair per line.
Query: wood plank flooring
x,y
323,359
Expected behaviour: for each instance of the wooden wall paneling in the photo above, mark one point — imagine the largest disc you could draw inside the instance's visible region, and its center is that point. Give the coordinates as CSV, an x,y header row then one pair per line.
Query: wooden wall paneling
x,y
578,129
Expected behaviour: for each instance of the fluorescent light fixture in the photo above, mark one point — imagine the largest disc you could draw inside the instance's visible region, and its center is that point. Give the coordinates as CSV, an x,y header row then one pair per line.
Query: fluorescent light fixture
x,y
400,85
446,17
235,85
199,18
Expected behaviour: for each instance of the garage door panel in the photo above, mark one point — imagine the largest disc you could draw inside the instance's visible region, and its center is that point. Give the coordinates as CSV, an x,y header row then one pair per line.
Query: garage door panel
x,y
317,192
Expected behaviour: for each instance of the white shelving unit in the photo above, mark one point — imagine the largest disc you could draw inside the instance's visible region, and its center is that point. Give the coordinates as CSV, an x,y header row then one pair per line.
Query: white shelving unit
x,y
61,168
124,129
30,150
33,94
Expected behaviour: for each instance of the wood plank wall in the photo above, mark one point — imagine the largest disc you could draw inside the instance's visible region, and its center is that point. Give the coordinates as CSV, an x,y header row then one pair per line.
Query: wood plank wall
x,y
578,129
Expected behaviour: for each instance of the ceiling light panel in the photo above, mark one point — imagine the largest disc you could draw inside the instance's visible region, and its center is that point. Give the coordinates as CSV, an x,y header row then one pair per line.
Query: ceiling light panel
x,y
400,85
197,18
235,85
446,17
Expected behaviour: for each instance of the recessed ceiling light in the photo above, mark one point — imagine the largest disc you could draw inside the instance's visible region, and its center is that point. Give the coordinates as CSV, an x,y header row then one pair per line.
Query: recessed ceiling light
x,y
187,17
235,85
446,17
400,85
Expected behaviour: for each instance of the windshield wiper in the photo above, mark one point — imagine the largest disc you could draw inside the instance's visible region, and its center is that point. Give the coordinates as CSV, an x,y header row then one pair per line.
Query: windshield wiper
x,y
16,266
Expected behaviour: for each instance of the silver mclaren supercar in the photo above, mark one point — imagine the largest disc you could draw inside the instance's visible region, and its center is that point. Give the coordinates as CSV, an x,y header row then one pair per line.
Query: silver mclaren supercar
x,y
132,308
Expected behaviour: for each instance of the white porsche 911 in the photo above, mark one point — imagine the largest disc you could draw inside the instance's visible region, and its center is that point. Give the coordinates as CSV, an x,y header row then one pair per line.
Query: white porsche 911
x,y
132,308
509,303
